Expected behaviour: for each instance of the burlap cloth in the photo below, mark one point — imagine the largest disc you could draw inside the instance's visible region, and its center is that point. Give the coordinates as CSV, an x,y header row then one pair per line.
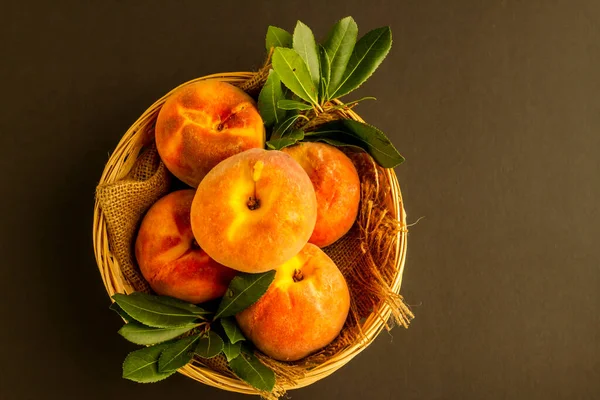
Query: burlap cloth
x,y
365,256
123,204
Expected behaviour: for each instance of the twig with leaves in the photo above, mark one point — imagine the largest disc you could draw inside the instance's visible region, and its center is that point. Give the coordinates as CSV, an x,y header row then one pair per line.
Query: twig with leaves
x,y
307,79
175,331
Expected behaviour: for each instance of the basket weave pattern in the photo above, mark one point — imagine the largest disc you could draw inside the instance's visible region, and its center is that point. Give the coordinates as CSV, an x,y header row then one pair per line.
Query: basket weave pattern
x,y
371,256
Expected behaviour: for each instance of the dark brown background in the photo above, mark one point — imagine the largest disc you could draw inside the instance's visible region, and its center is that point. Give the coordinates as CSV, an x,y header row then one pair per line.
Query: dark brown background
x,y
495,104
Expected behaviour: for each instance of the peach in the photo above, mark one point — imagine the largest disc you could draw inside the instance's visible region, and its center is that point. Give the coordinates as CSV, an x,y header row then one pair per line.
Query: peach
x,y
203,123
169,257
337,187
303,310
254,211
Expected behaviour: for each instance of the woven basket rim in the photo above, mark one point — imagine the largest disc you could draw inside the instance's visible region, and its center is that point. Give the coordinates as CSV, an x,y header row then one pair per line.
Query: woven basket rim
x,y
120,163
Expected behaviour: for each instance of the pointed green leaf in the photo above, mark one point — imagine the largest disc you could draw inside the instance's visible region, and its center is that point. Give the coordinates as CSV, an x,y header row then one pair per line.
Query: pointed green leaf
x,y
141,334
177,354
269,96
142,365
339,46
172,301
281,129
333,142
232,330
351,133
368,53
305,45
282,143
116,308
277,37
289,139
294,74
209,345
297,134
293,105
243,291
231,350
149,311
249,369
325,73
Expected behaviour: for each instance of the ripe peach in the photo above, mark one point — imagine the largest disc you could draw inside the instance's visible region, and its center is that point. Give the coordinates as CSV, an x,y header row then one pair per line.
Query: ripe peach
x,y
303,310
169,257
337,187
202,124
254,211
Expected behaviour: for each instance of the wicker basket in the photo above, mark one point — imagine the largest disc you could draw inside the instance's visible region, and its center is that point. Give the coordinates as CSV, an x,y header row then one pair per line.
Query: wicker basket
x,y
121,162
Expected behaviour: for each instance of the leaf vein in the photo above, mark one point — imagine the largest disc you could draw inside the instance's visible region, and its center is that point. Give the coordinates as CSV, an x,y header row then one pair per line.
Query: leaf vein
x,y
238,296
298,80
357,64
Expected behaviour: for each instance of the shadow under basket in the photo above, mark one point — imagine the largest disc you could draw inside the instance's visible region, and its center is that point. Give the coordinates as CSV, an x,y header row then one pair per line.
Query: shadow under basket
x,y
371,256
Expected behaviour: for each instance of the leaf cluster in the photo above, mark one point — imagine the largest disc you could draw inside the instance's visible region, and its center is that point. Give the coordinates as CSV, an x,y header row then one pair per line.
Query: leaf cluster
x,y
307,79
175,331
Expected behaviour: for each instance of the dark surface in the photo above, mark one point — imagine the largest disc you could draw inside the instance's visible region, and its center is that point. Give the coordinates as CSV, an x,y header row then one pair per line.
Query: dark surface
x,y
495,105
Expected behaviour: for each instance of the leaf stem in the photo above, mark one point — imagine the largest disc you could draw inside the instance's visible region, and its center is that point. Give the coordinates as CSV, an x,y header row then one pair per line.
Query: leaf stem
x,y
304,116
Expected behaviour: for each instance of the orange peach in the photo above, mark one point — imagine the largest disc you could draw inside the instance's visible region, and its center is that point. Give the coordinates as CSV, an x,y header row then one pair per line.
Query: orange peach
x,y
169,257
203,123
303,310
254,211
337,187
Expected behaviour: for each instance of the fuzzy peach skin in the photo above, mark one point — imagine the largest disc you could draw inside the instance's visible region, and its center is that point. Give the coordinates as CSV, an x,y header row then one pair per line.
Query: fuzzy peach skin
x,y
254,211
303,310
337,187
202,124
169,257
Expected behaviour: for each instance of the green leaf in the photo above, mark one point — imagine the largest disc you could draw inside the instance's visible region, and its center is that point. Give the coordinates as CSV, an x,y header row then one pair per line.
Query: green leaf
x,y
288,140
231,350
269,96
334,142
249,369
305,45
184,305
243,291
368,53
151,311
351,133
209,345
141,334
277,37
339,46
294,74
281,129
325,73
177,354
142,365
293,105
116,308
232,330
